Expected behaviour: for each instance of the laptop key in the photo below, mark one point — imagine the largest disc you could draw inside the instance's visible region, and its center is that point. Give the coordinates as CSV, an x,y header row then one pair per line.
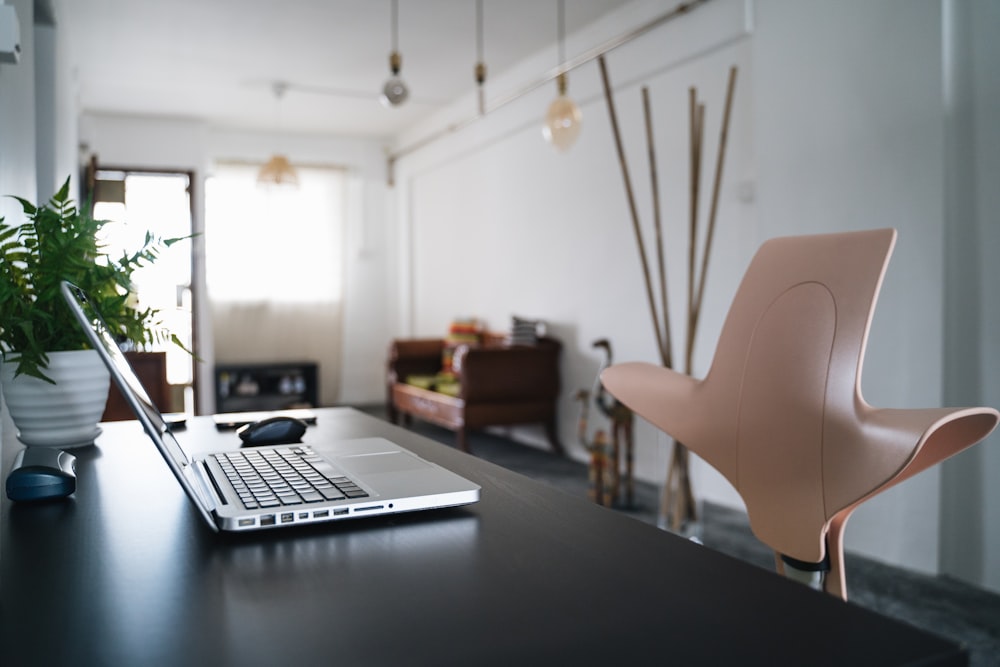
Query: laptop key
x,y
331,493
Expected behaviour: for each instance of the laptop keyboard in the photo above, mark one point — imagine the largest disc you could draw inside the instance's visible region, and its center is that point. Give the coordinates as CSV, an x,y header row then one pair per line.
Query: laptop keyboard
x,y
285,476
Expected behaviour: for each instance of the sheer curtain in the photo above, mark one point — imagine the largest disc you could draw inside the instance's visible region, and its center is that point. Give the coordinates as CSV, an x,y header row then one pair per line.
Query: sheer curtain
x,y
274,268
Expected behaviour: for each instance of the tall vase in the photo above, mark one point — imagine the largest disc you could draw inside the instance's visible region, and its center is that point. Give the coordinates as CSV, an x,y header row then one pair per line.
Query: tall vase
x,y
62,415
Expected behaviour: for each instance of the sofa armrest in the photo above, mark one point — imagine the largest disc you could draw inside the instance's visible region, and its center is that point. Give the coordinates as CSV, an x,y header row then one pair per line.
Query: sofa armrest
x,y
414,356
516,373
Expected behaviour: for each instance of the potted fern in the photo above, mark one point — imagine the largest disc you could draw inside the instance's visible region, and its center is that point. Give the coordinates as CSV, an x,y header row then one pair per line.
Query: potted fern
x,y
54,386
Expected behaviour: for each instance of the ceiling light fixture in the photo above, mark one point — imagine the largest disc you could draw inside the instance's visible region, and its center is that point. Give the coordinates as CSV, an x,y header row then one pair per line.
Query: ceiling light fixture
x,y
278,170
480,69
563,118
394,92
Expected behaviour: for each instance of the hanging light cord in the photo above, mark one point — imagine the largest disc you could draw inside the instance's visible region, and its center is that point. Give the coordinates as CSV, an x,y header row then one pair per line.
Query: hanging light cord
x,y
479,30
480,69
395,25
561,21
395,60
561,42
279,87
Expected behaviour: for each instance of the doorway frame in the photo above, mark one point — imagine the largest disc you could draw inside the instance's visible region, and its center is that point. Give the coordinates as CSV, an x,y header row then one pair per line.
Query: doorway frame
x,y
89,180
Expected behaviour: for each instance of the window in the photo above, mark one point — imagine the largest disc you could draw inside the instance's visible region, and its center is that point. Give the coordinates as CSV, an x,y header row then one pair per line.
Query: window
x,y
274,244
274,257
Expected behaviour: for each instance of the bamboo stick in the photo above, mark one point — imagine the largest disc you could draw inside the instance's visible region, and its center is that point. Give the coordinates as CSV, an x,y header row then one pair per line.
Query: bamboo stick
x,y
666,346
667,498
684,503
697,138
678,498
631,201
692,206
691,510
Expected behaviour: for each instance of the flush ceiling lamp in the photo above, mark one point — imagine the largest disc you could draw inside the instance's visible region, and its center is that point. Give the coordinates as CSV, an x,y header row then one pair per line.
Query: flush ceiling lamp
x,y
563,118
394,92
278,170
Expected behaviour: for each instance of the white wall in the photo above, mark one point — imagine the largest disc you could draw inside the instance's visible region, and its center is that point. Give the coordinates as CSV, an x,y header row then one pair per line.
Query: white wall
x,y
495,222
37,114
17,119
970,499
838,125
985,22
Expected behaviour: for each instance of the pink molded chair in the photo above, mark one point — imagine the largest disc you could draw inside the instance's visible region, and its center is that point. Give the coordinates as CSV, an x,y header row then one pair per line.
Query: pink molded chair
x,y
780,413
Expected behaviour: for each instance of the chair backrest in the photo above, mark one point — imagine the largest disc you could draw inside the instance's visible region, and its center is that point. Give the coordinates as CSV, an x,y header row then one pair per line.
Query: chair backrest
x,y
789,359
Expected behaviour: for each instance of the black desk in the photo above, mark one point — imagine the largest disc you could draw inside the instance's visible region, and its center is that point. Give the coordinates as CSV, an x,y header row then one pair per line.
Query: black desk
x,y
127,574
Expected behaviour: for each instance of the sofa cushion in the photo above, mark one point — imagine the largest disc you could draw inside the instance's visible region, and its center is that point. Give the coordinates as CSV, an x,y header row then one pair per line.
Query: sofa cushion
x,y
444,383
453,388
524,331
422,381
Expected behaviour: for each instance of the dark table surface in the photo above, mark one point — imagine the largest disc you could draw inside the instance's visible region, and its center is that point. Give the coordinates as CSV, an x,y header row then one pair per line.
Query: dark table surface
x,y
126,573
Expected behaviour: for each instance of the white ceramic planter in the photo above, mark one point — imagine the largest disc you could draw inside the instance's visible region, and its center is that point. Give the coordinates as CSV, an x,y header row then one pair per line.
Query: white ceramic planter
x,y
63,415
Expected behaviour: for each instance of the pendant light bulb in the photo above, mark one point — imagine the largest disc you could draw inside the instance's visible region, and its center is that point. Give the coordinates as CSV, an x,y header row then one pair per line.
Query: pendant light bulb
x,y
562,120
394,92
278,171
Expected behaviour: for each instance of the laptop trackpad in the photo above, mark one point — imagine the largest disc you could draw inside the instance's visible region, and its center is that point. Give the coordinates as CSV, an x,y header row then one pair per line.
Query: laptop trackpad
x,y
369,464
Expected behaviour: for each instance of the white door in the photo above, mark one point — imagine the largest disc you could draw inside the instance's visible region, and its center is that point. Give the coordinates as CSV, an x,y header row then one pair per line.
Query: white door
x,y
159,203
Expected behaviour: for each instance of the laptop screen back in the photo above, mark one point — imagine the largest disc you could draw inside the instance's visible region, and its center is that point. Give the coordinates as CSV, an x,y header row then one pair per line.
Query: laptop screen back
x,y
135,394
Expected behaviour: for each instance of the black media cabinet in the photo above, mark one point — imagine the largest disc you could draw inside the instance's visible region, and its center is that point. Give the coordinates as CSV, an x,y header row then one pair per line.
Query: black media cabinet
x,y
266,386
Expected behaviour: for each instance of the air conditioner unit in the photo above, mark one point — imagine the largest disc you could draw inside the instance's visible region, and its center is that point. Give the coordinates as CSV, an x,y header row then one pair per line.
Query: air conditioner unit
x,y
10,35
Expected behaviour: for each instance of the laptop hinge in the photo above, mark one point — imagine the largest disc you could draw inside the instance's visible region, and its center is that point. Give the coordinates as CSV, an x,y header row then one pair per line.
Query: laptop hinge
x,y
197,479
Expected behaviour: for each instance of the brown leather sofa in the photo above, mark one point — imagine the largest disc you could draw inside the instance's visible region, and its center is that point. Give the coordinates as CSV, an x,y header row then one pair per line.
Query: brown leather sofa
x,y
498,384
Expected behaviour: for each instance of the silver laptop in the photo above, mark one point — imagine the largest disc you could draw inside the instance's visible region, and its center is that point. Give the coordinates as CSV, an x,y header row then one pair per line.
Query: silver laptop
x,y
257,488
